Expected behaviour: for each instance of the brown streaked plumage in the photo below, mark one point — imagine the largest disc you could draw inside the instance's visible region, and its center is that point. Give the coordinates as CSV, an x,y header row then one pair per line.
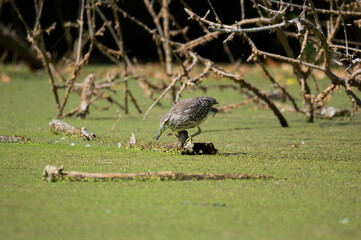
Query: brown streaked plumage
x,y
188,113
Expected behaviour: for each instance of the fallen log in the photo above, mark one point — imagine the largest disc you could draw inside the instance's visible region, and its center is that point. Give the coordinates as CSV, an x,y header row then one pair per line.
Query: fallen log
x,y
52,174
58,126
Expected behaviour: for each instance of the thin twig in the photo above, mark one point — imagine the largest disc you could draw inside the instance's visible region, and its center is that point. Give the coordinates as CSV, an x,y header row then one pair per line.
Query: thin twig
x,y
81,24
116,122
323,11
325,93
177,78
44,56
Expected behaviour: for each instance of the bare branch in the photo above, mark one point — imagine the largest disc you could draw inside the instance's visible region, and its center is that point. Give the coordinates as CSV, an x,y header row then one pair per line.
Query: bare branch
x,y
177,78
322,11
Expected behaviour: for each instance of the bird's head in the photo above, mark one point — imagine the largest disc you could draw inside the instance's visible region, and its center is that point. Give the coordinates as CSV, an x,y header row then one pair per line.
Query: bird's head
x,y
164,124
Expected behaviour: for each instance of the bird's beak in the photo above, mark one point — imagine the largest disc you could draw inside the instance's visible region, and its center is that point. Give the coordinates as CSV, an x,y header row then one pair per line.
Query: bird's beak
x,y
160,131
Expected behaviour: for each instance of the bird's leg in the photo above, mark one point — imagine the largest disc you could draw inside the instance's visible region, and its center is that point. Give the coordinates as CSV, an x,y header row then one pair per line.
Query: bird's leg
x,y
197,133
190,138
182,136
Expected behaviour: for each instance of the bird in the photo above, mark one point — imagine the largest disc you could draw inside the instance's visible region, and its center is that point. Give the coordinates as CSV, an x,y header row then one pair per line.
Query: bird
x,y
186,114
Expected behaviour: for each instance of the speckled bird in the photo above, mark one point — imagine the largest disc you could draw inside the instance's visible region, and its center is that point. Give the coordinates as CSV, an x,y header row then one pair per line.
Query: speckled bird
x,y
186,114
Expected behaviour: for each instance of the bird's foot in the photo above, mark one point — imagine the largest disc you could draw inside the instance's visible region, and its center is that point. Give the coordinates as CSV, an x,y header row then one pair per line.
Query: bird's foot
x,y
188,147
188,141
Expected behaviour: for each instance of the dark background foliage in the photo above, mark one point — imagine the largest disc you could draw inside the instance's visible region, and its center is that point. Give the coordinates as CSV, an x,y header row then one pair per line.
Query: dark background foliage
x,y
137,42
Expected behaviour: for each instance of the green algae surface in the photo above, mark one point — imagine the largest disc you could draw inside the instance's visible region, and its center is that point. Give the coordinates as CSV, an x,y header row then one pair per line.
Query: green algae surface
x,y
316,193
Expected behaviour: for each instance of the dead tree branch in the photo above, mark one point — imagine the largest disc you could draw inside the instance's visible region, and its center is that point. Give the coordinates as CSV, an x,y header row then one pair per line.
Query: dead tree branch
x,y
314,26
306,30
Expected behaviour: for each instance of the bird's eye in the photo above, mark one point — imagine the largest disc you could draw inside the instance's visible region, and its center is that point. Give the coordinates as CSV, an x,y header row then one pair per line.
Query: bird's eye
x,y
165,122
